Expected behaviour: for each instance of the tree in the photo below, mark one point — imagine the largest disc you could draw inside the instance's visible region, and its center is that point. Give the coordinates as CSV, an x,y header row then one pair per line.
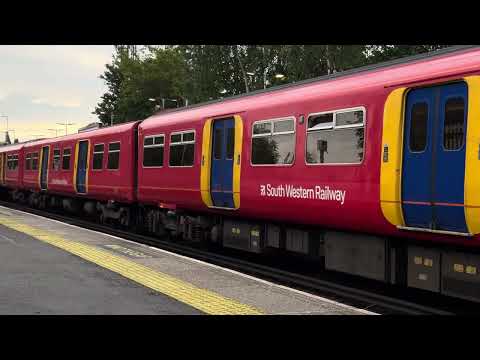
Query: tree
x,y
113,77
379,53
208,72
133,81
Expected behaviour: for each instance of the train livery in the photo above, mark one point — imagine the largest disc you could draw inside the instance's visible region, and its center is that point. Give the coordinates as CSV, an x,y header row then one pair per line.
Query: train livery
x,y
375,171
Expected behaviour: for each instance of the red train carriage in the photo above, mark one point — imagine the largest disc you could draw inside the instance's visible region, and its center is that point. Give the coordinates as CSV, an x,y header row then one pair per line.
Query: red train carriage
x,y
390,152
97,165
11,159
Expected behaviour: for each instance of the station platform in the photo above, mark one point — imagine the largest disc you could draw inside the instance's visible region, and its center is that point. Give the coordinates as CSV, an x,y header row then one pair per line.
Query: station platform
x,y
49,267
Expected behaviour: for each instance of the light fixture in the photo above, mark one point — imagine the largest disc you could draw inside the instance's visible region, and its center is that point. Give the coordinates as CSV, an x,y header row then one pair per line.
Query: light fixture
x,y
250,73
279,76
152,99
224,91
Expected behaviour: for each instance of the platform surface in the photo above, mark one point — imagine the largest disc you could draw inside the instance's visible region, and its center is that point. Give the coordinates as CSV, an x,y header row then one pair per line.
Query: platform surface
x,y
48,267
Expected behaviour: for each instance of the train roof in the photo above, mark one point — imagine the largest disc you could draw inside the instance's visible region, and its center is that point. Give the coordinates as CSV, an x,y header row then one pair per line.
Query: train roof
x,y
110,130
441,63
12,147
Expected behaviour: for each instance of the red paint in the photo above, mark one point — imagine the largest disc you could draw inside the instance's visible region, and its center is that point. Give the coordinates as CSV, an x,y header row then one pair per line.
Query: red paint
x,y
104,184
361,211
14,178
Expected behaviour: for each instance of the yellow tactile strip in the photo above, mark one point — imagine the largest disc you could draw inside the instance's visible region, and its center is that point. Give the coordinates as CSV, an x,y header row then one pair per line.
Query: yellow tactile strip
x,y
201,299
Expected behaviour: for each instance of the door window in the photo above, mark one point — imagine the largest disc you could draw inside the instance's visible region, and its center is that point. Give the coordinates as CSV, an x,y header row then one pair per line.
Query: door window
x,y
453,130
418,127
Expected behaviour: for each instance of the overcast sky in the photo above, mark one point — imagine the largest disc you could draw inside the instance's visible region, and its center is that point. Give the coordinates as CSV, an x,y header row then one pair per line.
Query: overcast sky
x,y
44,85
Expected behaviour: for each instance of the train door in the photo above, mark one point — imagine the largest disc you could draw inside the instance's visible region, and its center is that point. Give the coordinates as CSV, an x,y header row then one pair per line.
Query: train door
x,y
82,162
433,175
221,186
44,167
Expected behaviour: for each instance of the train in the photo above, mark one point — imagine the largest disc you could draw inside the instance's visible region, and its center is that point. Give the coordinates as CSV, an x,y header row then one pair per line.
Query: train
x,y
374,171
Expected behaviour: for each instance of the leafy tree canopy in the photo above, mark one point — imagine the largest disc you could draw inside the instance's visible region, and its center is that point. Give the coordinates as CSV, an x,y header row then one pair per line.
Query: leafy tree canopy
x,y
141,82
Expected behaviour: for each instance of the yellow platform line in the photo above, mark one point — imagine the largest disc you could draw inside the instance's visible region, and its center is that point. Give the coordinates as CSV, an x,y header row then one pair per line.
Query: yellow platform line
x,y
201,299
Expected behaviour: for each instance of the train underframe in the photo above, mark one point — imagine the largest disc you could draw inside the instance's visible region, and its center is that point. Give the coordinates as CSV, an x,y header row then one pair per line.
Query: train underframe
x,y
444,269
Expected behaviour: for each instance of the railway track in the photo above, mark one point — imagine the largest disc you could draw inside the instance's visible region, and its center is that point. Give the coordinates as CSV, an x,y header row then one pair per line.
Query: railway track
x,y
361,298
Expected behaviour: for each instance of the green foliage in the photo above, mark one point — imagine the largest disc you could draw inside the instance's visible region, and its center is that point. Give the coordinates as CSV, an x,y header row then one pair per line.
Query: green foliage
x,y
207,72
379,53
132,81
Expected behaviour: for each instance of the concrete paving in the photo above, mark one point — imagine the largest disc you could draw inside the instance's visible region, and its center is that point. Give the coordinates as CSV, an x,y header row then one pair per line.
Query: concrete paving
x,y
39,278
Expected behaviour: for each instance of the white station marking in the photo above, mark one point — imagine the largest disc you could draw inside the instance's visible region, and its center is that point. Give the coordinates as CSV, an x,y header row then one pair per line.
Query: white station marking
x,y
366,312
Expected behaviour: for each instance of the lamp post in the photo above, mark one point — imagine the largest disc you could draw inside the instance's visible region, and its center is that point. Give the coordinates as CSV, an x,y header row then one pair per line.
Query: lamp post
x,y
66,124
5,116
36,136
56,131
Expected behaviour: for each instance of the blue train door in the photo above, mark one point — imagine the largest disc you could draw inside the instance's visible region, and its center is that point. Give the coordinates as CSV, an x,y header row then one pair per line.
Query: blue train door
x,y
44,168
82,166
222,163
433,175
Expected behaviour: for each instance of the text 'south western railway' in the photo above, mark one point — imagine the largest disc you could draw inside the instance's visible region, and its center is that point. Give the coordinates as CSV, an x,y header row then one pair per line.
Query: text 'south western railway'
x,y
300,192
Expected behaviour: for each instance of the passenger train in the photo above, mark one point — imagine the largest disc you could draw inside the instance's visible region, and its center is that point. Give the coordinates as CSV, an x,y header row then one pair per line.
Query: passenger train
x,y
374,171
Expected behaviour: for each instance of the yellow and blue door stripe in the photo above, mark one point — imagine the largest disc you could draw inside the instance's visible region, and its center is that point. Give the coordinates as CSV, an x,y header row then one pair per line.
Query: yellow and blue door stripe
x,y
392,158
207,172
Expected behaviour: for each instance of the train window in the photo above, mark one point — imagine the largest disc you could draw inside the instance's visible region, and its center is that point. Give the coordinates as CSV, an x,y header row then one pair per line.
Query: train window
x,y
28,162
453,130
148,141
35,161
418,127
321,121
273,142
176,138
336,137
66,159
182,148
12,162
217,149
262,128
230,142
56,159
153,148
349,118
113,156
188,136
98,150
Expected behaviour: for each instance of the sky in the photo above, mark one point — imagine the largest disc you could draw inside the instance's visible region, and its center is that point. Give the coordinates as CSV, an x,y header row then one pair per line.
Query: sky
x,y
43,85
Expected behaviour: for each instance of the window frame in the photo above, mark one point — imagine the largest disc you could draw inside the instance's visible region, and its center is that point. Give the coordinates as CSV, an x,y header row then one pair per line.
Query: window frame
x,y
15,164
53,159
37,153
103,157
153,146
70,160
465,122
428,135
113,151
341,127
28,161
294,132
182,143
